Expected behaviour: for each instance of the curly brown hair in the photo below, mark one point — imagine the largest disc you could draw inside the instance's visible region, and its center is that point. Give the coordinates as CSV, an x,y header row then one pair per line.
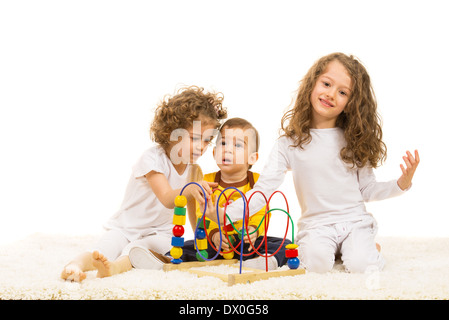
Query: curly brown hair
x,y
360,121
181,109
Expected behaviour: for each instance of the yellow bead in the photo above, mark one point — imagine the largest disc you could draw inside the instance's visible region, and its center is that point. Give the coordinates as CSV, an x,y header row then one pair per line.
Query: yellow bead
x,y
228,256
176,252
180,201
179,220
291,246
201,243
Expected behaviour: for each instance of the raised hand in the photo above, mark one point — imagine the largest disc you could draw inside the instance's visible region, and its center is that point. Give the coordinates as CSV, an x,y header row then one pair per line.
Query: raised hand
x,y
411,163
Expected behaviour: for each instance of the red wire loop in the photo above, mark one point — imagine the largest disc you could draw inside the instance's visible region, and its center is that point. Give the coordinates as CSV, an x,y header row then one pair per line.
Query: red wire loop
x,y
266,225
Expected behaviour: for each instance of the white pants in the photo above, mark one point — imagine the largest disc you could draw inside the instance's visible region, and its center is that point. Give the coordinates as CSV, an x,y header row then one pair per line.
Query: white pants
x,y
114,244
354,240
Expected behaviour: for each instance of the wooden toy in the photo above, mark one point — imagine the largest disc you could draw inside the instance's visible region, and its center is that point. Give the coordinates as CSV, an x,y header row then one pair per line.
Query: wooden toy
x,y
201,239
179,219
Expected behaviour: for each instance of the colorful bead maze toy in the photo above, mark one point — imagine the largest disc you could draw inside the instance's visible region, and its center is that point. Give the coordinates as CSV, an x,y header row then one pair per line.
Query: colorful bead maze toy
x,y
201,240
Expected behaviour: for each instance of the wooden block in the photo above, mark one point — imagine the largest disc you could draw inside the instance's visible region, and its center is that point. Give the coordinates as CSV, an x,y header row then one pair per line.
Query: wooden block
x,y
193,264
256,276
180,211
291,253
201,273
222,276
247,277
201,243
179,220
177,241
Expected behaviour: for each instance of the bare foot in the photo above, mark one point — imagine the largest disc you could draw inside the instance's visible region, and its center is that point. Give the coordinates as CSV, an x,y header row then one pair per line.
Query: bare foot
x,y
102,264
73,272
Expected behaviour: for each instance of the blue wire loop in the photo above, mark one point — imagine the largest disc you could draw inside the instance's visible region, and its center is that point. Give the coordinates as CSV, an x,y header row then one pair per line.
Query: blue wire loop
x,y
243,222
218,219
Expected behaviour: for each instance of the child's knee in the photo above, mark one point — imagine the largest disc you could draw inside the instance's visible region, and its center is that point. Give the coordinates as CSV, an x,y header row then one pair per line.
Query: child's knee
x,y
361,262
316,259
318,265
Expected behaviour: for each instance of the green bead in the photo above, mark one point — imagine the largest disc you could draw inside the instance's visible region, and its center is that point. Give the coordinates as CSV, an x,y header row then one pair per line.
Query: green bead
x,y
201,225
204,254
180,211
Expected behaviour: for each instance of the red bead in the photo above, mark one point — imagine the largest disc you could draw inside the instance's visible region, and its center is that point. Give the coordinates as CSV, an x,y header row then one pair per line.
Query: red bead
x,y
178,231
291,253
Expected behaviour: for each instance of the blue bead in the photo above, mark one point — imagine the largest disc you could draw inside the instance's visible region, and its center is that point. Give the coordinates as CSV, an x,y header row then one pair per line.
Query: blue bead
x,y
200,234
177,241
176,261
293,263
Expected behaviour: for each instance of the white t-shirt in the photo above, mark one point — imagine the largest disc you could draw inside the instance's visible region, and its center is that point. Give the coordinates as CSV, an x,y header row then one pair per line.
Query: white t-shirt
x,y
141,213
329,191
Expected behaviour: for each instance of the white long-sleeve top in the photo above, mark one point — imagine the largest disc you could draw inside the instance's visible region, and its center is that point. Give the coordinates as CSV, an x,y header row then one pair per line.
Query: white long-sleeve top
x,y
329,191
141,213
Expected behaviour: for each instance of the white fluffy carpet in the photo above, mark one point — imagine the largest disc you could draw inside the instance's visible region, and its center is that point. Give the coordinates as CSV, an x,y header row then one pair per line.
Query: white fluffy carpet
x,y
417,268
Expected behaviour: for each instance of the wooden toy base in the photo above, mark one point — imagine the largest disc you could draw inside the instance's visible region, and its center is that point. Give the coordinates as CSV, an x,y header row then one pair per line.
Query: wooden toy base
x,y
250,275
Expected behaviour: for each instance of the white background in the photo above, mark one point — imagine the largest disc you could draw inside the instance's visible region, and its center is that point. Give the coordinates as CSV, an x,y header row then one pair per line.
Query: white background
x,y
79,81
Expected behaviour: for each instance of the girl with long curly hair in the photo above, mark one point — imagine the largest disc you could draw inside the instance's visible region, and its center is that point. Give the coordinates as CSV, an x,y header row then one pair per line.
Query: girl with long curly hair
x,y
331,141
183,127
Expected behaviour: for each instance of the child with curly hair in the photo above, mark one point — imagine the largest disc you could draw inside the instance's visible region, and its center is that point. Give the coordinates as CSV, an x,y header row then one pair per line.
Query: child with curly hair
x,y
332,140
183,127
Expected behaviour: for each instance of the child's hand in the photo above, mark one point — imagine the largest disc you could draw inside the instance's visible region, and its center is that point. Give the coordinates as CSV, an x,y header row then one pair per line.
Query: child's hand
x,y
225,247
252,237
211,211
210,208
411,162
216,239
224,244
195,192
